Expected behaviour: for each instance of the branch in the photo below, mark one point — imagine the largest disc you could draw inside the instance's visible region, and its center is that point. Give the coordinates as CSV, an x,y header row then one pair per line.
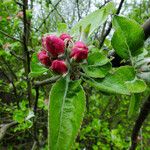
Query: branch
x,y
146,27
78,10
110,25
36,99
14,87
54,6
4,128
17,56
47,16
47,81
9,36
138,124
25,47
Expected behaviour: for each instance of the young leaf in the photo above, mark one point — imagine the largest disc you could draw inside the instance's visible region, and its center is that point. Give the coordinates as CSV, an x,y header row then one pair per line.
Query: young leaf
x,y
36,68
134,104
117,82
95,18
136,86
128,38
62,27
66,109
98,65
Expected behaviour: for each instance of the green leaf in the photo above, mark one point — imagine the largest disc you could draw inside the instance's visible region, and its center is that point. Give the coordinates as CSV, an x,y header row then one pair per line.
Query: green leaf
x,y
37,69
116,82
66,109
85,33
95,19
98,65
121,47
136,86
128,38
134,104
62,27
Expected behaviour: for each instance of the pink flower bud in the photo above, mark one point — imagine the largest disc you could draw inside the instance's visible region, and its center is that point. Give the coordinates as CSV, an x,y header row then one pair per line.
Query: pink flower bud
x,y
59,66
8,18
20,14
44,58
65,36
54,45
79,51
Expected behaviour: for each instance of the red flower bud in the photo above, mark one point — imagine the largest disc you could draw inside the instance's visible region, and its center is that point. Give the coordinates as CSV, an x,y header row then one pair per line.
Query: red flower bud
x,y
59,66
65,36
44,58
79,51
54,45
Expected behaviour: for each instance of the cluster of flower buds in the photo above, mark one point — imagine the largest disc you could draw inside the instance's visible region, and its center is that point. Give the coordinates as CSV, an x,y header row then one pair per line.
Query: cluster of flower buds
x,y
53,47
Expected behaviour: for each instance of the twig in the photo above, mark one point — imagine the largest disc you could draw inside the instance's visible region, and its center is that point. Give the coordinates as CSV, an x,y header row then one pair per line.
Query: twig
x,y
9,67
138,124
146,27
110,25
34,147
36,99
78,10
47,16
9,36
47,81
26,52
17,56
14,88
4,129
18,3
63,20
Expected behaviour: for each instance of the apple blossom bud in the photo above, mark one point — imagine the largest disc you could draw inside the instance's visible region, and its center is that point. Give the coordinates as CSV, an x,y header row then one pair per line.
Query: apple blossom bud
x,y
59,66
54,45
20,14
8,18
65,36
44,58
79,51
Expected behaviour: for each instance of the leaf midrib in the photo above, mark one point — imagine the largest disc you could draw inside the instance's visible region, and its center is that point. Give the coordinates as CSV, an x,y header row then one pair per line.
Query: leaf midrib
x,y
62,109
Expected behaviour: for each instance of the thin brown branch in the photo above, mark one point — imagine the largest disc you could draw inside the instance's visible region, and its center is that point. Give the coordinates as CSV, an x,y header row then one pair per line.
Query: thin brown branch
x,y
139,122
146,27
48,15
36,99
9,67
63,20
14,87
78,10
25,48
17,56
9,36
110,25
4,128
